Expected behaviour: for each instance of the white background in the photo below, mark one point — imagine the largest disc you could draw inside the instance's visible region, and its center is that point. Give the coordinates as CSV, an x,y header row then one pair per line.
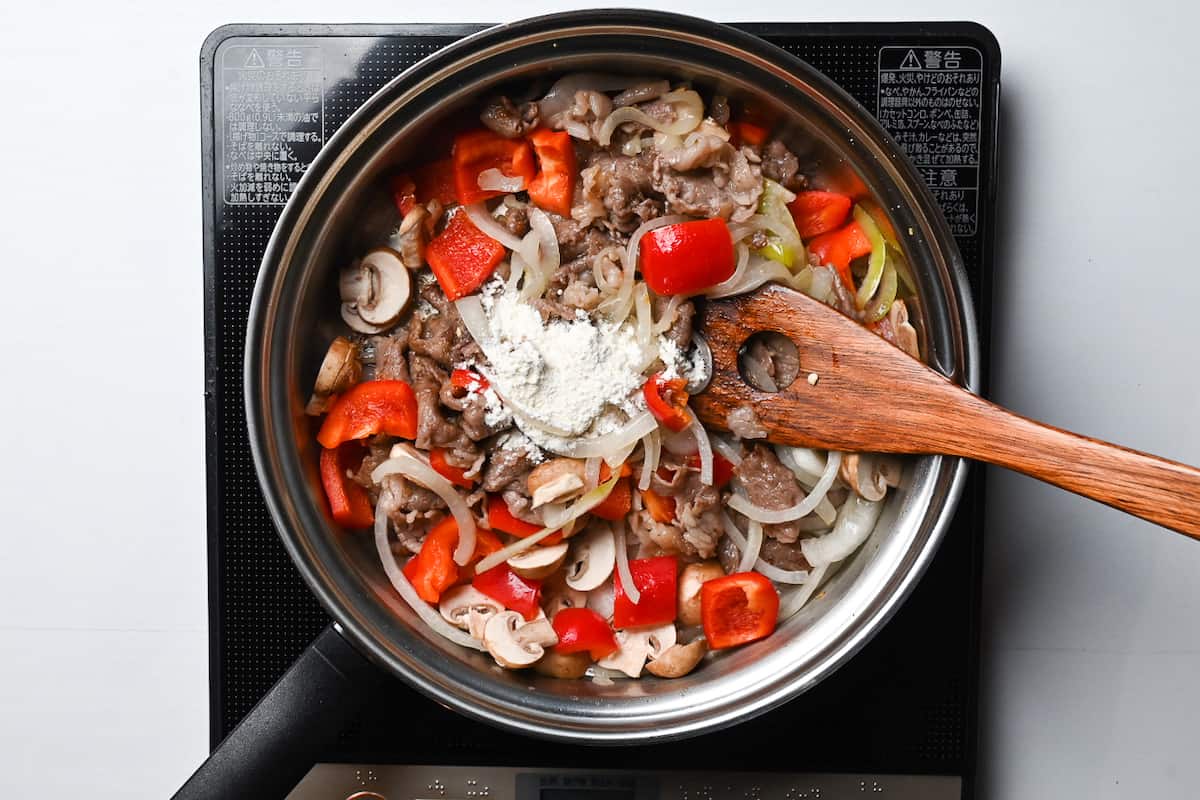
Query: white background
x,y
1091,647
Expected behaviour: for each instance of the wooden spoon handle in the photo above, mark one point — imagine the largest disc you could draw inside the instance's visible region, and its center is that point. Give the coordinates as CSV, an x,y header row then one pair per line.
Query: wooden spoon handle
x,y
1155,489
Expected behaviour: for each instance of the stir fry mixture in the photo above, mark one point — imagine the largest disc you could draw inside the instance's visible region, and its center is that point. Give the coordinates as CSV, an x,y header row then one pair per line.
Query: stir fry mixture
x,y
509,413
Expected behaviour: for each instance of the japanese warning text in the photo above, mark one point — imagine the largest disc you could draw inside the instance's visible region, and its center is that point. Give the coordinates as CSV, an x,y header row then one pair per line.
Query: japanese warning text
x,y
931,101
272,120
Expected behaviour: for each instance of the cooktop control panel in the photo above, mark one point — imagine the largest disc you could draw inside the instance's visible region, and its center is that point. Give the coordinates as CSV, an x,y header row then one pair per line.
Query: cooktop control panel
x,y
396,782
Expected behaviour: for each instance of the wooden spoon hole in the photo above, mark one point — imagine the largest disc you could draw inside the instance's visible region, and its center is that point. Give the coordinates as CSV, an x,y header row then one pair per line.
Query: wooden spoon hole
x,y
769,361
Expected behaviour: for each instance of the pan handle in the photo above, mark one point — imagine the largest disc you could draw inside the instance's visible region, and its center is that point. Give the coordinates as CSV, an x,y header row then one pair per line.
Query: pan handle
x,y
278,742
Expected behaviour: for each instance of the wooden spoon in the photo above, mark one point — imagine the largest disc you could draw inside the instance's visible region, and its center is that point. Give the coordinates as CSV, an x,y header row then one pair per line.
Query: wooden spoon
x,y
870,396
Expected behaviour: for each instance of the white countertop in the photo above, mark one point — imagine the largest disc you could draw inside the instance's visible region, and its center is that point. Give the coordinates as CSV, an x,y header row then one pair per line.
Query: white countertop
x,y
1091,647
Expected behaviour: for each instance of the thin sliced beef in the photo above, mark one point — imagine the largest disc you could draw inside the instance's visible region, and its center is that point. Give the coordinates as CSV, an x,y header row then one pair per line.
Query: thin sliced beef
x,y
680,331
505,465
718,110
769,484
501,116
435,429
697,513
727,184
617,191
515,220
641,92
781,165
433,337
783,555
391,362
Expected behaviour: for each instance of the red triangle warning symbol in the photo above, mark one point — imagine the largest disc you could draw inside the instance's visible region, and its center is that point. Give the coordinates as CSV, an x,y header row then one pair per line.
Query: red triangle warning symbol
x,y
254,61
911,61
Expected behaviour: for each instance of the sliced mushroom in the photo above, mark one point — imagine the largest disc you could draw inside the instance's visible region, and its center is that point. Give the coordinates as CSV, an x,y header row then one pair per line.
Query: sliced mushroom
x,y
375,291
556,596
563,665
677,660
635,645
339,369
592,558
556,479
690,580
891,469
862,474
409,239
515,643
540,562
462,603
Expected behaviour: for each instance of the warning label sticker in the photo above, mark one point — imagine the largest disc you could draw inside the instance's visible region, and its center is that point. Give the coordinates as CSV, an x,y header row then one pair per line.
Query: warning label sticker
x,y
931,101
272,120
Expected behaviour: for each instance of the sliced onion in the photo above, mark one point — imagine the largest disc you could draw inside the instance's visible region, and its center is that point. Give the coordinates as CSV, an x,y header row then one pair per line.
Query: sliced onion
x,y
704,447
728,450
877,260
610,443
516,271
542,229
821,287
855,521
618,457
617,307
405,463
493,180
796,600
577,509
562,94
627,585
670,310
641,302
681,443
652,445
487,224
591,472
742,505
754,539
470,309
769,570
688,107
806,463
759,271
739,272
535,278
405,589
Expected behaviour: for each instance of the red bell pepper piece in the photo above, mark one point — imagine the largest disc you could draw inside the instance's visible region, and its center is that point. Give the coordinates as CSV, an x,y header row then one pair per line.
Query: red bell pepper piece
x,y
349,503
480,150
468,381
737,609
741,133
404,193
501,519
456,475
435,181
618,502
508,588
554,187
722,469
838,248
369,408
655,580
661,507
462,257
819,212
432,570
667,401
582,629
687,257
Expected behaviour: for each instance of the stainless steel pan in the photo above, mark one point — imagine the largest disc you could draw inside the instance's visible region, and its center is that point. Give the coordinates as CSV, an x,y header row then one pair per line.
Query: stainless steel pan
x,y
294,315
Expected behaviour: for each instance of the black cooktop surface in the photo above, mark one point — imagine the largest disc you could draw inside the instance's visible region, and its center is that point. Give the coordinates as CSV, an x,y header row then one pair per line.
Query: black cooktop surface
x,y
271,96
